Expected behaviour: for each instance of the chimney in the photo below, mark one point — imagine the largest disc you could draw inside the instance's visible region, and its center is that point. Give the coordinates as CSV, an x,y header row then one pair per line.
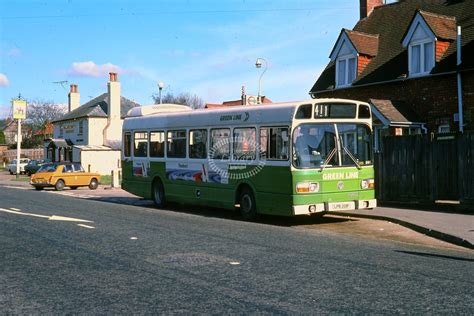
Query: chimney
x,y
113,130
366,7
74,98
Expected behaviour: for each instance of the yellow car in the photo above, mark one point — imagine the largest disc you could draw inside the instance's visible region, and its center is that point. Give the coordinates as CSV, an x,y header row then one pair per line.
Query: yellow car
x,y
64,174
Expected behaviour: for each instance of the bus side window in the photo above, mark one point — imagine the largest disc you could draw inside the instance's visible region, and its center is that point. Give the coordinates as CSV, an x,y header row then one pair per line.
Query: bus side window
x,y
127,142
304,111
244,143
220,144
274,143
140,144
157,144
364,111
198,144
177,144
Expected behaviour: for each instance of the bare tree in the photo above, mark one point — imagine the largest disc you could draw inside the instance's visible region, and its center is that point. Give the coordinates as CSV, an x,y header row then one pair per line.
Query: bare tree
x,y
191,100
40,113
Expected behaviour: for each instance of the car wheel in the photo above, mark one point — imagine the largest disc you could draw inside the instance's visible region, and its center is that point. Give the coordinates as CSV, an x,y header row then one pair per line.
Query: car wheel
x,y
73,188
11,172
248,207
93,184
28,174
38,188
158,192
59,185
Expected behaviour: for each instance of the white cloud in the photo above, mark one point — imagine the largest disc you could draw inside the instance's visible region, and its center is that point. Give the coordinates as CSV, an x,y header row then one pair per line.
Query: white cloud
x,y
91,69
4,82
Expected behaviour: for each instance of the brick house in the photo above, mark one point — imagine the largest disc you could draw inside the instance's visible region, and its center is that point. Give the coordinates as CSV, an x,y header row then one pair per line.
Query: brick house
x,y
11,130
402,58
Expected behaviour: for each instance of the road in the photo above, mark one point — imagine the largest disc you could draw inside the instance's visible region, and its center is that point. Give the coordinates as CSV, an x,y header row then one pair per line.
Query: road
x,y
136,259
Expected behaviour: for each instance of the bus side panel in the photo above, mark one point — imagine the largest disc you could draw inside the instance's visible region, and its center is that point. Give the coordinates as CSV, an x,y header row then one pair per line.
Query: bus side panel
x,y
273,190
204,194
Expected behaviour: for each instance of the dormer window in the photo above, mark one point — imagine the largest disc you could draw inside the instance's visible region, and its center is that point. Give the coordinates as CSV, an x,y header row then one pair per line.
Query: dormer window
x,y
421,57
351,54
345,70
427,39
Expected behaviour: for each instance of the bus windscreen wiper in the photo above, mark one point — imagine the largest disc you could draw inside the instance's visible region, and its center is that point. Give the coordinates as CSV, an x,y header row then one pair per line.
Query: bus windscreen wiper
x,y
350,155
329,157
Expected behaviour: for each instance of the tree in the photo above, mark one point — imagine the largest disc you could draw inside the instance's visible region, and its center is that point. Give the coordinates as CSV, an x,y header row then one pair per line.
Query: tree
x,y
2,138
41,113
191,100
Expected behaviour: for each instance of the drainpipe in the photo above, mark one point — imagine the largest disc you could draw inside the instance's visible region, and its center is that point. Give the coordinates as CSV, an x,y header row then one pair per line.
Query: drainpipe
x,y
459,61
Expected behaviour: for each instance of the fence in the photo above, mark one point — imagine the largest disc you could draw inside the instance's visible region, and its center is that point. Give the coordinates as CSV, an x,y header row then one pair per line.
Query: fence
x,y
425,169
36,153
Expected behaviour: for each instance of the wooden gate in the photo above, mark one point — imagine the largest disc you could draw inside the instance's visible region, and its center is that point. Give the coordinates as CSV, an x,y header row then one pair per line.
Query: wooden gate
x,y
445,163
425,168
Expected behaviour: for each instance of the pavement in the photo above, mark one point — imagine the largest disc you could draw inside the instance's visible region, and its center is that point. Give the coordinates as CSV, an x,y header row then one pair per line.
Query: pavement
x,y
450,227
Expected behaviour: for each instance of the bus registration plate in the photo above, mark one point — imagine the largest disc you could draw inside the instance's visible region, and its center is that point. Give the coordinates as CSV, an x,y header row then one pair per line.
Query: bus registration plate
x,y
341,206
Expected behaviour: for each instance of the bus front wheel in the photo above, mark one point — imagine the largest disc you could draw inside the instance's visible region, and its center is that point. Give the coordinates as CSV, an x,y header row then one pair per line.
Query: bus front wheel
x,y
158,193
248,207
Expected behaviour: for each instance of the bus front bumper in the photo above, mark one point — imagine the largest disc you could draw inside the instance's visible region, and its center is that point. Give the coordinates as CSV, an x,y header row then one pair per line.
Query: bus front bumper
x,y
308,209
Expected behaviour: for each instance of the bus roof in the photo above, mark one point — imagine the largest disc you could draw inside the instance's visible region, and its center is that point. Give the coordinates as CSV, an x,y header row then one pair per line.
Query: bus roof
x,y
274,113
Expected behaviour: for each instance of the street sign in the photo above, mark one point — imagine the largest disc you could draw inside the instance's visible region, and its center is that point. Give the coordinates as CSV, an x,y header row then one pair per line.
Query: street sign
x,y
19,109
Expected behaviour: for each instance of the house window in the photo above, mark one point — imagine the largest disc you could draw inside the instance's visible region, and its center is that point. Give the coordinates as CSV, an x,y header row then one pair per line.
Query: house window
x,y
421,58
345,71
81,127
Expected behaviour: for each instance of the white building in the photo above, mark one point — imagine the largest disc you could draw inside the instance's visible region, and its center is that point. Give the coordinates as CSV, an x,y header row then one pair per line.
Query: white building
x,y
91,133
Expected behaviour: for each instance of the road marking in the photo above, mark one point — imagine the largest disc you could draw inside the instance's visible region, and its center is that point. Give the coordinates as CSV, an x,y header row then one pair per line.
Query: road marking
x,y
86,226
51,218
22,213
234,263
68,219
15,209
13,187
133,238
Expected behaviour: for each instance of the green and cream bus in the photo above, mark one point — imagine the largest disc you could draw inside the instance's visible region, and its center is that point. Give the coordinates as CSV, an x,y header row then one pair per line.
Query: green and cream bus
x,y
294,158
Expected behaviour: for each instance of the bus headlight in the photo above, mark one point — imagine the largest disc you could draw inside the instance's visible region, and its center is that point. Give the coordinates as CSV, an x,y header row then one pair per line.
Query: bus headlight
x,y
367,184
307,187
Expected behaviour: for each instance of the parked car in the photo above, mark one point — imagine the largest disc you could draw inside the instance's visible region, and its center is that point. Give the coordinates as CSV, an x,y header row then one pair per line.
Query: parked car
x,y
34,165
12,166
64,174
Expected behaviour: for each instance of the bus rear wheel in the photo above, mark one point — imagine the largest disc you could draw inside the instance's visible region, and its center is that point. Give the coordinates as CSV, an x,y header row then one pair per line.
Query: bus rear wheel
x,y
158,193
248,207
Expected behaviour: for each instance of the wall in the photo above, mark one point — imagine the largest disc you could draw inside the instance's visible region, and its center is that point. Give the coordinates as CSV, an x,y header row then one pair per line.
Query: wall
x,y
433,98
94,132
102,162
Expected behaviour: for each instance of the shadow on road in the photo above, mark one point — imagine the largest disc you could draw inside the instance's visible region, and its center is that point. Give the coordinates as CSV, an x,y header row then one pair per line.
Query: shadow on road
x,y
432,255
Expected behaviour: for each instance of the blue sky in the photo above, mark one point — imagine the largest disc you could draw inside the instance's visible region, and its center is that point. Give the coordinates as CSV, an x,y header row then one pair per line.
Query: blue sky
x,y
208,48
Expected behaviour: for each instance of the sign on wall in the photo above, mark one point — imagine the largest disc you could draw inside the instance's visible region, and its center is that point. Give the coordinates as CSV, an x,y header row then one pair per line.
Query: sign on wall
x,y
19,109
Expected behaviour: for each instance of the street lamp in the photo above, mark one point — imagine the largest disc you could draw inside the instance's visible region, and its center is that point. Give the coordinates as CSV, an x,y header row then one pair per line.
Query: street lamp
x,y
160,88
258,64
